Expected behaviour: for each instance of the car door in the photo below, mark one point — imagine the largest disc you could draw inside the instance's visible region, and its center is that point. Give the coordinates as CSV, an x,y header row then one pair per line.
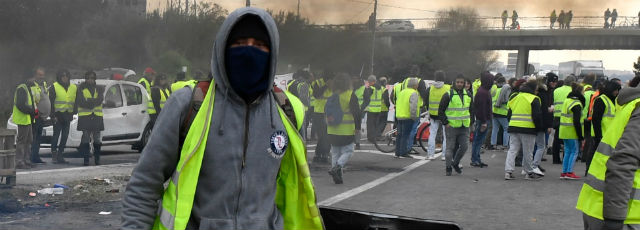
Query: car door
x,y
114,114
135,109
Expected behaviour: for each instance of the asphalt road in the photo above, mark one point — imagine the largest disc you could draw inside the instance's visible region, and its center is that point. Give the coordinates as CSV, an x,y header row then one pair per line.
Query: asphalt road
x,y
480,198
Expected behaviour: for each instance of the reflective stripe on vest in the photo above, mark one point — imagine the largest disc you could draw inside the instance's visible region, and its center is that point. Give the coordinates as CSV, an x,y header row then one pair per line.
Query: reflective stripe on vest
x,y
607,116
591,198
347,127
567,130
559,95
520,106
458,110
501,110
322,101
65,98
297,206
435,96
88,111
375,103
18,117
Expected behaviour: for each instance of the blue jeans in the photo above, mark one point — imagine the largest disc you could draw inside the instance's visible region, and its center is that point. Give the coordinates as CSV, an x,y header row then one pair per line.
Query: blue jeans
x,y
414,131
404,128
478,139
570,155
341,154
504,123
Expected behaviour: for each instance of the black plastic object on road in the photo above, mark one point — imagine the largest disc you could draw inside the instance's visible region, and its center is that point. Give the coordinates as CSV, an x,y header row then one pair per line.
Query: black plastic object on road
x,y
337,218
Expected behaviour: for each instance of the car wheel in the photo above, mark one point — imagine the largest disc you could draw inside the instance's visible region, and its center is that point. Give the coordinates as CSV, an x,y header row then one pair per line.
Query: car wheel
x,y
143,141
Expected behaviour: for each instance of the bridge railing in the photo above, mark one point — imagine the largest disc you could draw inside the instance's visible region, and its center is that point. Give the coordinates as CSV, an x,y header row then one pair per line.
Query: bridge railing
x,y
527,23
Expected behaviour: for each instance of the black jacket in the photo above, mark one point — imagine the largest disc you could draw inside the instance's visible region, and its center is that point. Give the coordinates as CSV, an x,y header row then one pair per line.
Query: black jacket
x,y
444,104
545,102
354,108
21,100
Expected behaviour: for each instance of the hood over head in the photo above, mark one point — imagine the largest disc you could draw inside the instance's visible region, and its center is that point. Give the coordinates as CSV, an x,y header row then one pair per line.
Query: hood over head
x,y
628,94
219,62
486,80
609,87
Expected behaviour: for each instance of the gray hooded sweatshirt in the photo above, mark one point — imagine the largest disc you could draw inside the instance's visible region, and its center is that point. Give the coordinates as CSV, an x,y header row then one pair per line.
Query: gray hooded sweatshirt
x,y
237,184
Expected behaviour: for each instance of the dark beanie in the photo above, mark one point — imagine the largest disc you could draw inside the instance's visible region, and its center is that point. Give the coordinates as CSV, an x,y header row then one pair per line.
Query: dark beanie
x,y
249,26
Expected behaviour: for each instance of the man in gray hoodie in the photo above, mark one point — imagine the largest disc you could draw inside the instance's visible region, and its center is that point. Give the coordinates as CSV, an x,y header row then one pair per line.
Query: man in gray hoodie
x,y
236,187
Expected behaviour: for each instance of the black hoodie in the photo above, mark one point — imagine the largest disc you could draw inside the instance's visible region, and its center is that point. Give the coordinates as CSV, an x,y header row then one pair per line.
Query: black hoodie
x,y
577,113
599,109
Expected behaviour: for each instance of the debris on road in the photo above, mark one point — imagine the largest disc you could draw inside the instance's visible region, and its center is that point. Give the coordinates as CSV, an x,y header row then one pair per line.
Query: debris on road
x,y
78,187
53,191
115,190
104,213
32,194
60,186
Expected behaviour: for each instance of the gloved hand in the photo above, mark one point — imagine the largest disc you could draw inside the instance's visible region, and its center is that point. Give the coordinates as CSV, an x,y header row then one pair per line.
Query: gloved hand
x,y
36,114
613,224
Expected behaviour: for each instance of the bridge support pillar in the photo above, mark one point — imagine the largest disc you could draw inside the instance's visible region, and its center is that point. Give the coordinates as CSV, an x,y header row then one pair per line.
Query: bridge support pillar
x,y
523,62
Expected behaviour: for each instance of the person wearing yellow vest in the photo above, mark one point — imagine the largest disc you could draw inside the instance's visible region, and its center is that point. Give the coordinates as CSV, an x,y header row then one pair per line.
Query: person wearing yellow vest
x,y
455,109
589,84
559,96
321,93
602,114
372,105
159,95
89,100
40,92
359,87
475,85
434,96
63,96
609,197
342,136
571,131
407,113
24,112
147,79
181,82
242,163
500,111
525,119
300,88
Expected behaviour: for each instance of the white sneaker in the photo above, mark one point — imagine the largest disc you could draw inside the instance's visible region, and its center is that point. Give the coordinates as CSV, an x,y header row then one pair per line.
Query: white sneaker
x,y
432,157
536,170
523,172
443,159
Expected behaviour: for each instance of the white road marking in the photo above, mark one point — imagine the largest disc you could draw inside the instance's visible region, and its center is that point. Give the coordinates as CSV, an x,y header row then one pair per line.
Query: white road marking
x,y
379,153
75,169
355,191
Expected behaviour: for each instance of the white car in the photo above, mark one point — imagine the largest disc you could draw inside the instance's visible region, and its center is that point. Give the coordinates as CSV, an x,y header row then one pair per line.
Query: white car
x,y
396,25
125,116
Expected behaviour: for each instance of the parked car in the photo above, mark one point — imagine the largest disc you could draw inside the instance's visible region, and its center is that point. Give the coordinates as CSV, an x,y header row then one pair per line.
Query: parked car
x,y
396,25
124,113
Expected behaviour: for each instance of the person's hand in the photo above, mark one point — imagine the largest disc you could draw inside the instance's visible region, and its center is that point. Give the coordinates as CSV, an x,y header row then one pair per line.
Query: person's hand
x,y
36,114
483,127
550,108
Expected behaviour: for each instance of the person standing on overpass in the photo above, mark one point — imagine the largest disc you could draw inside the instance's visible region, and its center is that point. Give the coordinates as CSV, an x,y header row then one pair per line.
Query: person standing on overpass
x,y
614,17
504,17
553,19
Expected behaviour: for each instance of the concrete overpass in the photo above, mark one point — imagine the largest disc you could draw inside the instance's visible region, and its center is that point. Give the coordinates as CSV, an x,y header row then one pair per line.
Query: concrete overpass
x,y
525,40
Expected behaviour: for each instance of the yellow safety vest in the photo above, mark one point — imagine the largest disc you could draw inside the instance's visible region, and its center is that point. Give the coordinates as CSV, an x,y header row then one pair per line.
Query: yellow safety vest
x,y
65,99
147,85
375,103
321,102
559,95
36,90
501,110
295,195
95,110
403,108
587,98
520,106
435,96
590,201
360,95
181,84
567,131
347,127
475,85
18,117
458,111
607,117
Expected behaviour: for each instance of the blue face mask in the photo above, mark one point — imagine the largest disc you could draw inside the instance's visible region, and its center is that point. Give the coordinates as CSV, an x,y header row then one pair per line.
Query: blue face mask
x,y
247,68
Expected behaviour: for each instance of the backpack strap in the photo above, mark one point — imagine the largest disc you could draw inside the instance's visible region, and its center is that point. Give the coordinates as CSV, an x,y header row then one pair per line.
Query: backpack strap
x,y
197,96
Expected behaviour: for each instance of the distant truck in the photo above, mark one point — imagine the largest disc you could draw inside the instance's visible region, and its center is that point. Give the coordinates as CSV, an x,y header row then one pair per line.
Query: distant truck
x,y
581,69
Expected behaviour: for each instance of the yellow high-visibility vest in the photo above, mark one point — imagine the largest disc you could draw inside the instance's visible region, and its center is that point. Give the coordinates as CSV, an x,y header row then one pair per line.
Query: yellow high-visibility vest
x,y
590,200
520,106
65,98
347,127
567,130
18,117
458,110
97,110
295,196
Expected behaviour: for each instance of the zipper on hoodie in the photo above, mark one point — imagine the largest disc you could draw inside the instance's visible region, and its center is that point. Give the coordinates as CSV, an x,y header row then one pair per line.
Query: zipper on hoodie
x,y
245,145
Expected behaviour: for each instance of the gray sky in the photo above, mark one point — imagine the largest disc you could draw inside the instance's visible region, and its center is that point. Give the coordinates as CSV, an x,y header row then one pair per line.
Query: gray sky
x,y
352,11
